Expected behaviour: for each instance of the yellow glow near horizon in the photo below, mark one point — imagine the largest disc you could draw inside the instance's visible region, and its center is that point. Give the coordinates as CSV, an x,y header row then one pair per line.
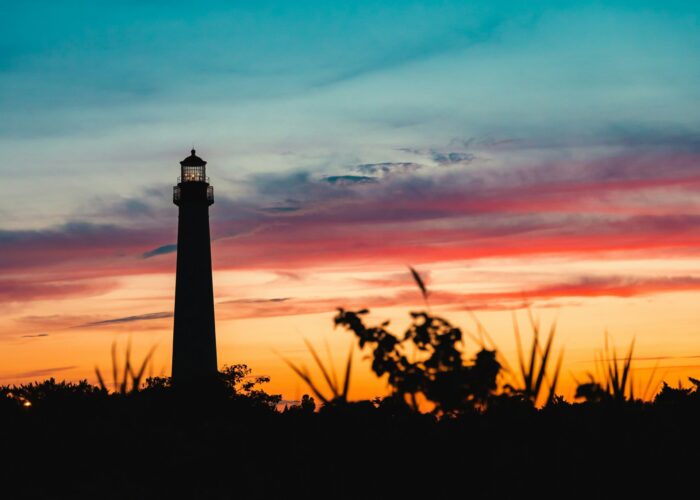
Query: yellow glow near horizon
x,y
263,317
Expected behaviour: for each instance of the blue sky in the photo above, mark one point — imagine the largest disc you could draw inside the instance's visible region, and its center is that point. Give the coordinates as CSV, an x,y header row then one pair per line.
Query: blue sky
x,y
99,103
331,78
548,150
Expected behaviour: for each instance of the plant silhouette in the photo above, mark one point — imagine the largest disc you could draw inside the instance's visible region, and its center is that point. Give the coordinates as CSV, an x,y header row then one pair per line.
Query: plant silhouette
x,y
339,394
438,371
534,370
615,383
126,379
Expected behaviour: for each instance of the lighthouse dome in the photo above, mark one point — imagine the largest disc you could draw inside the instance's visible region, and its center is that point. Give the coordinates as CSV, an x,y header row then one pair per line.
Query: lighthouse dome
x,y
193,161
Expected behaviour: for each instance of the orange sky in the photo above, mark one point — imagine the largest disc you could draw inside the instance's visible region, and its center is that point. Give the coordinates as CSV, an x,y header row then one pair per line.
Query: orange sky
x,y
262,315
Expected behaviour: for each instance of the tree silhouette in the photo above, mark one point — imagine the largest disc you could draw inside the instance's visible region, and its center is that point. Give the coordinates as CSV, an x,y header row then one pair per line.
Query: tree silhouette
x,y
427,361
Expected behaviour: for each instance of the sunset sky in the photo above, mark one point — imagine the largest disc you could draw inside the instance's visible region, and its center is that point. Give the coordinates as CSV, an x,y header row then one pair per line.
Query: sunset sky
x,y
540,154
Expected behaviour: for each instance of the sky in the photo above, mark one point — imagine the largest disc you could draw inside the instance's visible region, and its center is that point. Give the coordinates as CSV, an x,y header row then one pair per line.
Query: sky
x,y
520,155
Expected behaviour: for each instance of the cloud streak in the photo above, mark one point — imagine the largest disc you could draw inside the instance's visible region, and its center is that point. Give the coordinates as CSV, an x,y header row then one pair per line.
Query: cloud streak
x,y
546,295
161,250
636,202
128,319
41,372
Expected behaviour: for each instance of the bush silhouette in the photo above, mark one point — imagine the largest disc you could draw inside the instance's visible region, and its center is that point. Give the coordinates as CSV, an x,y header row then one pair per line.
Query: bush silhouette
x,y
436,368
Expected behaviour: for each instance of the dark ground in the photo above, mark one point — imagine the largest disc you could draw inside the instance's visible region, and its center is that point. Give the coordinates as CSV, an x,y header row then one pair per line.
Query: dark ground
x,y
152,445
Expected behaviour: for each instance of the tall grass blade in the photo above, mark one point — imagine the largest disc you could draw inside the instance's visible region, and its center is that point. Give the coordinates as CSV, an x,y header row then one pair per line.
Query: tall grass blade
x,y
127,368
519,346
530,370
484,337
346,382
100,380
535,322
305,377
543,364
419,282
645,394
326,376
331,364
659,382
482,331
555,378
114,366
136,377
626,368
631,385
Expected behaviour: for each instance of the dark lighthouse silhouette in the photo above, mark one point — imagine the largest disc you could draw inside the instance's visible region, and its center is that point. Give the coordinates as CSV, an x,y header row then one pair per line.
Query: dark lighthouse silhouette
x,y
194,337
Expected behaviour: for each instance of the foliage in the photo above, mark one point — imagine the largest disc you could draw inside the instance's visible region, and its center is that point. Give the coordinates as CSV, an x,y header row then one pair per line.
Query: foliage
x,y
307,405
126,379
339,392
615,382
534,370
677,395
158,383
242,385
592,392
436,369
48,393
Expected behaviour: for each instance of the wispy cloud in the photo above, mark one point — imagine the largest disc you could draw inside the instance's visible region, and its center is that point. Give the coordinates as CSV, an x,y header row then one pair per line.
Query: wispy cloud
x,y
349,179
41,372
74,241
406,295
128,319
274,300
52,287
385,168
161,250
616,204
444,157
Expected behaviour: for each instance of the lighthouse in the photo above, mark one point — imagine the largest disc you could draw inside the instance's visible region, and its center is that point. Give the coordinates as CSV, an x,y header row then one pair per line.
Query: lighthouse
x,y
194,336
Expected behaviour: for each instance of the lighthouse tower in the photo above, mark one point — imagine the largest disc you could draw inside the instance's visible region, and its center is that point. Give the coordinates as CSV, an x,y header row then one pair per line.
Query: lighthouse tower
x,y
194,337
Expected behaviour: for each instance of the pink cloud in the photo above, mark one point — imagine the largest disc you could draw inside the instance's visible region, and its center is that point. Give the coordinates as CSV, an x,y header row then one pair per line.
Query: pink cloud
x,y
20,291
566,208
545,295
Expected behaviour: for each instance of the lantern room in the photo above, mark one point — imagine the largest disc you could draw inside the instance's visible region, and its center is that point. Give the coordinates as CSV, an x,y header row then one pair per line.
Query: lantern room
x,y
193,183
193,169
